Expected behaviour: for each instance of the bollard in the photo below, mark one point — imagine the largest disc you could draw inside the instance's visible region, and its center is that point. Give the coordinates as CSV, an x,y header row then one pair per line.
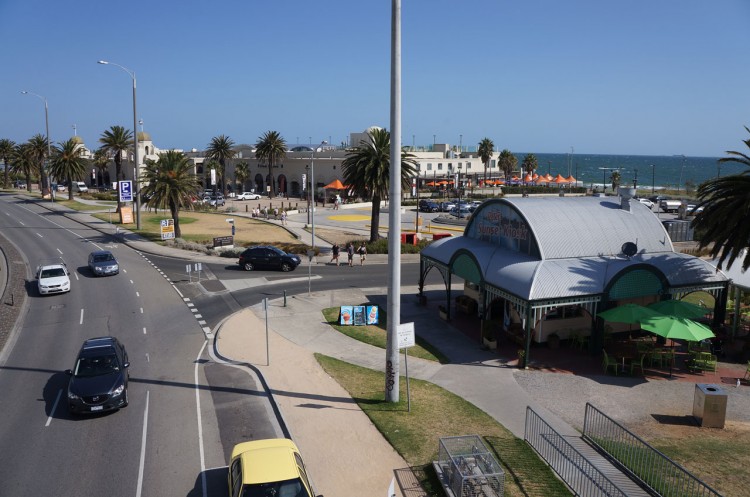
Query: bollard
x,y
284,298
245,207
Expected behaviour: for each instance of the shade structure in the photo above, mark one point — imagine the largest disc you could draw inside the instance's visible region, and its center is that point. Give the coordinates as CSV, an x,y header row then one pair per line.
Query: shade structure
x,y
335,185
559,179
679,308
528,178
571,179
541,179
431,183
499,182
629,313
549,177
676,328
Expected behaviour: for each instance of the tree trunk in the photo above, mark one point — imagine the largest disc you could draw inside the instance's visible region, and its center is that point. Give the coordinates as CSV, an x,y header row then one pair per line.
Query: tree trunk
x,y
176,217
118,173
70,188
375,221
272,192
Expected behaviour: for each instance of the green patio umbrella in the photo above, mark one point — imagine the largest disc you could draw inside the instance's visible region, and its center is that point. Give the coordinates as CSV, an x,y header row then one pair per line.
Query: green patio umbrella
x,y
628,313
676,328
679,308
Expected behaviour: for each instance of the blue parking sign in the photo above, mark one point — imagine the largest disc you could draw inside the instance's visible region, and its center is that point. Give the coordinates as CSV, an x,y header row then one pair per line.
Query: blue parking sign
x,y
126,190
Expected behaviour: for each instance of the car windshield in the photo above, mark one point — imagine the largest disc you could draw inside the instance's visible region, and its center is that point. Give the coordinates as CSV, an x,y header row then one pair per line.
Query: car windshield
x,y
53,272
103,257
292,487
277,251
96,365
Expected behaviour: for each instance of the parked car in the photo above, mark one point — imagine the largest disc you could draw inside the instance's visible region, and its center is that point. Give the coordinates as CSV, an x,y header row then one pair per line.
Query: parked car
x,y
268,257
103,263
99,379
214,200
428,206
648,203
268,467
53,277
248,196
79,186
447,206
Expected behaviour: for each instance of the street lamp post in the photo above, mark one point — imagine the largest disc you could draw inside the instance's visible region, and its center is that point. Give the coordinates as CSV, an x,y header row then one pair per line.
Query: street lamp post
x,y
653,178
49,143
635,181
307,193
312,184
135,146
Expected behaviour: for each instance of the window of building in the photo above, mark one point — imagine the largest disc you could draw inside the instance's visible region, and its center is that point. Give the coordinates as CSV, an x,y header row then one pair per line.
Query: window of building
x,y
440,166
450,166
492,164
429,166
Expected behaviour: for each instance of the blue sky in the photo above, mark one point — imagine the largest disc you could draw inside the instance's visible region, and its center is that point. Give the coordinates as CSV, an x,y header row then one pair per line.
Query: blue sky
x,y
642,77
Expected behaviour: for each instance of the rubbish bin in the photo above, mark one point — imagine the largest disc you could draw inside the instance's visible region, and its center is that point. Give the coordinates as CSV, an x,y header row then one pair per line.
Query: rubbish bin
x,y
409,238
438,236
710,405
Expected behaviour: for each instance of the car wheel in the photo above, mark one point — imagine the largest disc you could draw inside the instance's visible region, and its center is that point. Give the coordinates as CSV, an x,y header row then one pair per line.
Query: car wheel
x,y
286,267
248,266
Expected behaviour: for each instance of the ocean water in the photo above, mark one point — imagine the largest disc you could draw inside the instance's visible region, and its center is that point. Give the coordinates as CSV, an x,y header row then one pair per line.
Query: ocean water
x,y
670,172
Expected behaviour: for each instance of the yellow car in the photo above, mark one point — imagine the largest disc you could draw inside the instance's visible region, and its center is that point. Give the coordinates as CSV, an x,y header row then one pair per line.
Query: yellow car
x,y
268,468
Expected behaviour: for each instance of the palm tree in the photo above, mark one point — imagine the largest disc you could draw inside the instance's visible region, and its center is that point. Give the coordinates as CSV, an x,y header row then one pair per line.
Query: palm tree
x,y
485,151
507,163
6,151
38,144
241,174
725,219
115,141
101,162
220,149
366,169
67,163
271,147
22,161
530,164
170,184
615,178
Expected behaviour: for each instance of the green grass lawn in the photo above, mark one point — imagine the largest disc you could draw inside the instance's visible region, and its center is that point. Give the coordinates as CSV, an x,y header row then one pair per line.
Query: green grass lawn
x,y
436,413
78,206
376,335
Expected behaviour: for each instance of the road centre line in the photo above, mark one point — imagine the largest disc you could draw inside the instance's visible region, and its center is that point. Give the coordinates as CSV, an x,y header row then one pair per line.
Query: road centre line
x,y
141,310
137,294
200,421
60,251
40,236
54,407
144,330
141,465
81,322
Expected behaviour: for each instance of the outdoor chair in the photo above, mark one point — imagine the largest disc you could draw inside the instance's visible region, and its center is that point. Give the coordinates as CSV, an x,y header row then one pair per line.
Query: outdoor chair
x,y
657,356
638,364
577,340
609,362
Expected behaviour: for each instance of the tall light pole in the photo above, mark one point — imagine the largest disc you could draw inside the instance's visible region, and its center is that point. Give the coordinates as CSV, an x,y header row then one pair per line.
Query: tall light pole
x,y
312,184
653,178
49,143
135,147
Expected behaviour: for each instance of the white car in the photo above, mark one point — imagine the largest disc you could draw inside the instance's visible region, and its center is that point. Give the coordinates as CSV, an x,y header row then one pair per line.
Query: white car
x,y
248,196
53,277
646,202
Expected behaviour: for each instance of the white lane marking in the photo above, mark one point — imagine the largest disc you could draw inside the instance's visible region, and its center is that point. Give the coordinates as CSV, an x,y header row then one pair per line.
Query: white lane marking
x,y
144,331
139,488
191,304
125,271
131,282
148,359
54,406
76,275
81,322
141,310
40,236
137,294
59,251
200,422
21,222
178,291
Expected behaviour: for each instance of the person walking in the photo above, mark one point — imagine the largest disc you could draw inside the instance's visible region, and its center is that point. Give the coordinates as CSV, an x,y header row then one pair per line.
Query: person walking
x,y
335,253
283,218
350,253
362,251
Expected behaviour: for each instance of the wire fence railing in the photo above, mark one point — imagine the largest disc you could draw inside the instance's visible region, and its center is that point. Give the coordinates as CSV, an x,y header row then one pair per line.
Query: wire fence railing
x,y
573,467
639,459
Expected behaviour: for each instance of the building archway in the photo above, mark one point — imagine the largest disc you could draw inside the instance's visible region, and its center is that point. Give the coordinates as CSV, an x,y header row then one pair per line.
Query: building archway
x,y
259,183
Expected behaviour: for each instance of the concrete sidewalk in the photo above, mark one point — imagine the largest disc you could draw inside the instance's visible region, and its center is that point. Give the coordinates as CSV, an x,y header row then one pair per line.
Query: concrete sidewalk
x,y
342,448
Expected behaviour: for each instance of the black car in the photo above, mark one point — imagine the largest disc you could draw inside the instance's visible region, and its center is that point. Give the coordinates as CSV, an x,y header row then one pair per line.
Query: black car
x,y
428,206
99,381
265,257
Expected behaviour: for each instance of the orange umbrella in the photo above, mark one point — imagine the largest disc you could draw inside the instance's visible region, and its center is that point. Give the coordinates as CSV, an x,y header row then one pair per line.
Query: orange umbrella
x,y
548,177
499,182
571,179
335,185
528,179
443,182
559,179
431,183
515,178
541,179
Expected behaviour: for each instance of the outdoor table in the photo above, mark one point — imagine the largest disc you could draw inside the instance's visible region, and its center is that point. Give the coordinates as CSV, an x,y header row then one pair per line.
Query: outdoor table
x,y
624,351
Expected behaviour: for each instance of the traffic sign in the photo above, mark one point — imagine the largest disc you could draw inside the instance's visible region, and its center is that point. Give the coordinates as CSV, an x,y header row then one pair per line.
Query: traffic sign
x,y
405,332
126,190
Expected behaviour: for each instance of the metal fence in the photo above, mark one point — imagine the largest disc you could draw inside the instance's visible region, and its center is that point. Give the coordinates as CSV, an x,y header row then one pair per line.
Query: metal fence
x,y
649,466
468,467
572,466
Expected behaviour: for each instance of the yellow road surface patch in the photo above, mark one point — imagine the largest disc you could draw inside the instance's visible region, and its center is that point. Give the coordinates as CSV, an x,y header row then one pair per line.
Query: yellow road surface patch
x,y
350,217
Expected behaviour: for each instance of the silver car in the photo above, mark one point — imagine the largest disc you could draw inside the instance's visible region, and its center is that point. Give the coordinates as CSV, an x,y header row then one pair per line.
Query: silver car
x,y
103,263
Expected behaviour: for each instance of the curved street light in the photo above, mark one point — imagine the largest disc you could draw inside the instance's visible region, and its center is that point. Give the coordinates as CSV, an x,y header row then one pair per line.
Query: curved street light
x,y
137,171
49,144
